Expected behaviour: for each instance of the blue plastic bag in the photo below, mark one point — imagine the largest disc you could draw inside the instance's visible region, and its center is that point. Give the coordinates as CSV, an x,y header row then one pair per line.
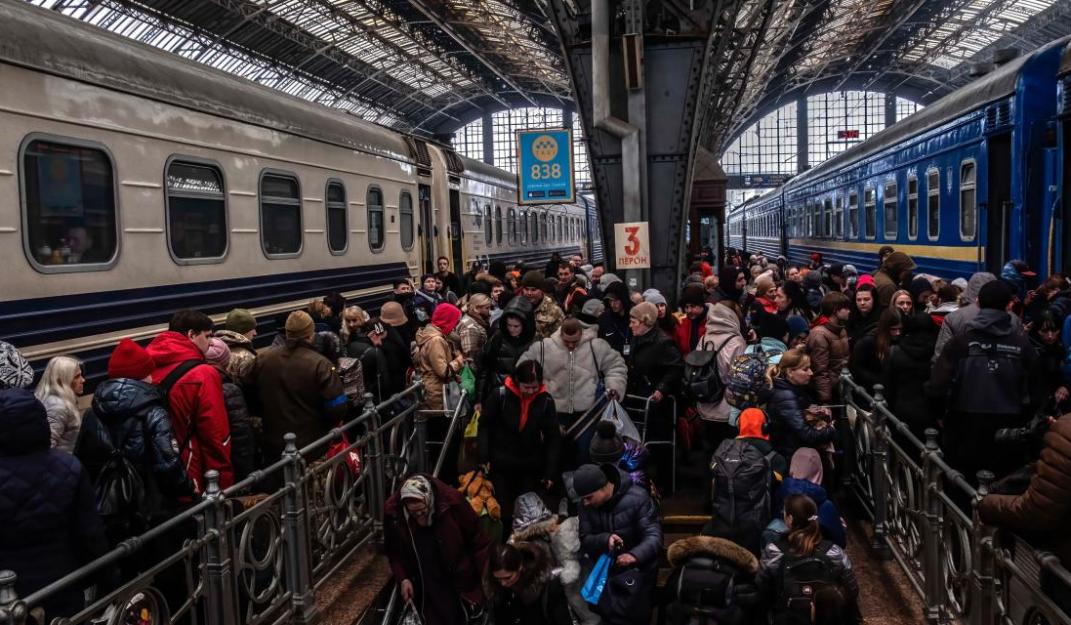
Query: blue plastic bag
x,y
596,581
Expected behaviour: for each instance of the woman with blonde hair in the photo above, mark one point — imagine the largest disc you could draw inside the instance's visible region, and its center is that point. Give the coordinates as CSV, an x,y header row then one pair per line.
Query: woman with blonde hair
x,y
902,302
795,418
59,388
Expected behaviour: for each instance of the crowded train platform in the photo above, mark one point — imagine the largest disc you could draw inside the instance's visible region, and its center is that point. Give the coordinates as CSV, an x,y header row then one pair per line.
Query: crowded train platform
x,y
566,312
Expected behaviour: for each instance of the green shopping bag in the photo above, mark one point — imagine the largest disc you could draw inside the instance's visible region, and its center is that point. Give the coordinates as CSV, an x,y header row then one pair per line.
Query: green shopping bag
x,y
468,381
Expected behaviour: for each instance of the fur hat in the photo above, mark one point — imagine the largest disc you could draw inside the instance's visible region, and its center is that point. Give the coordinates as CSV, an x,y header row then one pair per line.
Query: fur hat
x,y
646,313
694,295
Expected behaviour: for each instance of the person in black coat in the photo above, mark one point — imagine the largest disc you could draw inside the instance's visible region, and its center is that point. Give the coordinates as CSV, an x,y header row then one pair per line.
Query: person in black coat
x,y
655,369
50,522
614,321
871,351
367,345
906,371
518,439
516,331
619,519
795,419
396,345
523,588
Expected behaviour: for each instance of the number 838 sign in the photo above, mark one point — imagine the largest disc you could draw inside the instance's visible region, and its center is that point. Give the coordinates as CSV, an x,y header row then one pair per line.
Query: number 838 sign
x,y
545,166
631,245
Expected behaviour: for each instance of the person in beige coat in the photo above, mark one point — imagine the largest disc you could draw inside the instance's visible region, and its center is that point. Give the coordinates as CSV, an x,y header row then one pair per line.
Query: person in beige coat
x,y
434,355
724,334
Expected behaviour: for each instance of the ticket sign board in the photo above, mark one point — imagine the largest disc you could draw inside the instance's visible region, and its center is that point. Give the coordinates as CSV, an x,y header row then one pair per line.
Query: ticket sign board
x,y
545,167
631,245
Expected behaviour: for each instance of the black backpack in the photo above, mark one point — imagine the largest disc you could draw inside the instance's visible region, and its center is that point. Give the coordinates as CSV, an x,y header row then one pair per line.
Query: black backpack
x,y
741,488
704,581
810,592
120,490
702,380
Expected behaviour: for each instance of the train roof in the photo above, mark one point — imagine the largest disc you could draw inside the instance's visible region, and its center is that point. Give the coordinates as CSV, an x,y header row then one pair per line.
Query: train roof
x,y
1065,64
993,86
479,170
49,42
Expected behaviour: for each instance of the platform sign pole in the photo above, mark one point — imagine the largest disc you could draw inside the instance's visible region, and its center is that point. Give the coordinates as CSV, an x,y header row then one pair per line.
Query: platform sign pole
x,y
545,167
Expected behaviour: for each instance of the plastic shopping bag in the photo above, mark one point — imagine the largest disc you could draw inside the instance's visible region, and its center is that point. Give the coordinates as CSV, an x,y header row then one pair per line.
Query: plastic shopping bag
x,y
468,381
472,430
596,581
615,413
451,395
411,616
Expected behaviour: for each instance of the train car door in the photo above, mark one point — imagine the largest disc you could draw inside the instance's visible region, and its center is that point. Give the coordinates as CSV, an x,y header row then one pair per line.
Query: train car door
x,y
999,202
427,230
456,232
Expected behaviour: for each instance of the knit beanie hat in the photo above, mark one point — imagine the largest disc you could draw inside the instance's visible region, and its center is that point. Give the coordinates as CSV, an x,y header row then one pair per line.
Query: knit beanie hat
x,y
608,278
606,446
15,372
772,326
533,279
646,313
588,479
864,279
694,295
995,295
446,317
654,296
241,321
592,310
797,325
299,326
393,314
919,286
751,422
218,353
130,360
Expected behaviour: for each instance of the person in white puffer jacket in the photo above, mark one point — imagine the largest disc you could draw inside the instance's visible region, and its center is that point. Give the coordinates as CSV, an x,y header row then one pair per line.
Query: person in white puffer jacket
x,y
574,362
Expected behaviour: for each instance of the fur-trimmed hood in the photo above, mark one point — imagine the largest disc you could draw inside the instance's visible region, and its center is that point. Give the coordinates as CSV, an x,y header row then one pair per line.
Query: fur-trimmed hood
x,y
686,548
542,530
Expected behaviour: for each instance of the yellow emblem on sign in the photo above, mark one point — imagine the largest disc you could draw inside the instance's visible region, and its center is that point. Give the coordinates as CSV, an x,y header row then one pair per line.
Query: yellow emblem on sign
x,y
545,148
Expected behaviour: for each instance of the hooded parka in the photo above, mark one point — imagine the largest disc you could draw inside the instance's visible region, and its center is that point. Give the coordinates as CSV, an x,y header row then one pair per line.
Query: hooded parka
x,y
572,377
501,352
887,278
724,336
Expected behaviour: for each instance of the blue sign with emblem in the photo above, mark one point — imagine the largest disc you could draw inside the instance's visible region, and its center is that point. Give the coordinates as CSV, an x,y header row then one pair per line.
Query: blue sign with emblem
x,y
545,167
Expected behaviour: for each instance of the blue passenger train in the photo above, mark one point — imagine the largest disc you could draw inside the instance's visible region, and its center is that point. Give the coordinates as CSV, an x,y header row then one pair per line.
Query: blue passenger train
x,y
970,182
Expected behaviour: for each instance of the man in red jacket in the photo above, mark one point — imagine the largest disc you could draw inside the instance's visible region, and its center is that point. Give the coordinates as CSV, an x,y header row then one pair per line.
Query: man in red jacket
x,y
198,414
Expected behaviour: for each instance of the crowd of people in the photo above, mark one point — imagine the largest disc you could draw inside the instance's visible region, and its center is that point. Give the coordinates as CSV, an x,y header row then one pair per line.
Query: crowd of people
x,y
549,511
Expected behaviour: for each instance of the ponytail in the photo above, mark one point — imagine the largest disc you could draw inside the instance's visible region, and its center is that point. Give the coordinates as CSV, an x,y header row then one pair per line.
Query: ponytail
x,y
804,534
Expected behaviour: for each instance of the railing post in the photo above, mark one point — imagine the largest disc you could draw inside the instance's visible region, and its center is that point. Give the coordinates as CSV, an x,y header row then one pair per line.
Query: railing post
x,y
931,537
12,611
879,452
847,438
374,463
420,423
221,605
983,577
296,526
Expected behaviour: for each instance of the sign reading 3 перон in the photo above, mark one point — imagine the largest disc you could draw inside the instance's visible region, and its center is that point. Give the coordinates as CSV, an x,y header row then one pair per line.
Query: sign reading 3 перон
x,y
545,167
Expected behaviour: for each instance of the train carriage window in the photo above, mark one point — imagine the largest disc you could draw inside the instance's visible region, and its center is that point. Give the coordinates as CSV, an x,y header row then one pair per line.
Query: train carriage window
x,y
524,226
281,231
511,226
912,207
933,203
838,217
69,203
543,227
377,237
816,219
498,225
337,228
968,204
853,215
534,218
891,205
405,220
827,218
196,212
488,227
869,213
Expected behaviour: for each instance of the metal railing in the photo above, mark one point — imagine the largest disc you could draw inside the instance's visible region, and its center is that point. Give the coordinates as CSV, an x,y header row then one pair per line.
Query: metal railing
x,y
246,557
925,516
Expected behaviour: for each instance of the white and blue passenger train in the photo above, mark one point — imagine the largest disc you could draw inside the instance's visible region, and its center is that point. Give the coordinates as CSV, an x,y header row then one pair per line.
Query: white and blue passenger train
x,y
970,182
134,183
